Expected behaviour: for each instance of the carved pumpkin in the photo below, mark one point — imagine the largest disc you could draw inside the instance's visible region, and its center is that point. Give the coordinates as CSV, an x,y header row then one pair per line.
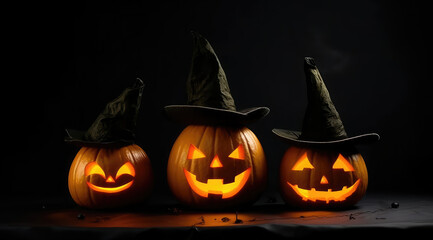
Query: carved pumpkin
x,y
322,168
322,177
110,177
216,167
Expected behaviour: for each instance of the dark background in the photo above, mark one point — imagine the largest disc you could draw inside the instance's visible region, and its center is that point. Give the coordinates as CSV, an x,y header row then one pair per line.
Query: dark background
x,y
67,60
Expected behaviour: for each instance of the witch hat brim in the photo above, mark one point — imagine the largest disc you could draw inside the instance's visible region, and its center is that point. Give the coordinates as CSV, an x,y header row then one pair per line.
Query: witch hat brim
x,y
77,138
293,138
201,115
209,101
322,124
115,125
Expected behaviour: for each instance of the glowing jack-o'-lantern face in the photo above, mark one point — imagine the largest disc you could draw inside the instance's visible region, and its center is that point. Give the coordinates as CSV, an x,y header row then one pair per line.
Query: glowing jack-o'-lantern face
x,y
217,186
322,177
126,169
216,167
110,177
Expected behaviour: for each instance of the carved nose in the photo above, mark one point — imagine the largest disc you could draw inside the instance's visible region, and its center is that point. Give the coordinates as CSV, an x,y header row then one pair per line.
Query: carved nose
x,y
110,179
324,180
216,163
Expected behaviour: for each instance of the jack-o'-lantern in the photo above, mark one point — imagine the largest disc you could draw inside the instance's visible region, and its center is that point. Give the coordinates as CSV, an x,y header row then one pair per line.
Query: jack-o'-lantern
x,y
322,168
322,176
110,170
110,177
216,162
216,166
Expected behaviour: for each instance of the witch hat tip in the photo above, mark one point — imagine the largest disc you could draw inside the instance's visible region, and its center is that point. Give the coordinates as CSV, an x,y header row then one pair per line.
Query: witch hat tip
x,y
309,62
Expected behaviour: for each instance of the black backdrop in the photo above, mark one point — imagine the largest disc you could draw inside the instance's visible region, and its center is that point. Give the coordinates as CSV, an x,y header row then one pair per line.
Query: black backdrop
x,y
68,59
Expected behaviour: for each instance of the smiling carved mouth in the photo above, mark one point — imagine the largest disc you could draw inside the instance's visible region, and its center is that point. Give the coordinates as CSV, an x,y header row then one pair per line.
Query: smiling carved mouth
x,y
110,190
313,194
217,186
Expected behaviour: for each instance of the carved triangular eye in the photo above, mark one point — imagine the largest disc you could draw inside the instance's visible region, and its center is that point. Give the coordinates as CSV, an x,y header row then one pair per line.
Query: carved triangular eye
x,y
302,163
194,152
238,153
342,163
126,168
94,168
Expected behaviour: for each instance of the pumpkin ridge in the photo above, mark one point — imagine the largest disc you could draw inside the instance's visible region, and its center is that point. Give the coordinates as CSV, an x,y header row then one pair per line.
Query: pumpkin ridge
x,y
86,149
350,160
85,153
202,134
72,174
218,131
206,129
139,149
310,175
244,139
91,194
72,171
231,143
232,146
130,156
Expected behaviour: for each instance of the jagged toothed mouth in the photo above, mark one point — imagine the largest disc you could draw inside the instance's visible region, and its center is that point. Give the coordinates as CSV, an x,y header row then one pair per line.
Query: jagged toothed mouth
x,y
217,186
327,196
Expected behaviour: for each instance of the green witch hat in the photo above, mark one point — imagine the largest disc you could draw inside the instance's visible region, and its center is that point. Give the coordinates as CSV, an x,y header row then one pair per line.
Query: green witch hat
x,y
209,99
322,123
115,125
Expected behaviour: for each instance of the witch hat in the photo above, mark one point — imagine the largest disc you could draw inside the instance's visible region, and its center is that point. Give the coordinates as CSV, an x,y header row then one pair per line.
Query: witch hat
x,y
115,125
322,124
209,99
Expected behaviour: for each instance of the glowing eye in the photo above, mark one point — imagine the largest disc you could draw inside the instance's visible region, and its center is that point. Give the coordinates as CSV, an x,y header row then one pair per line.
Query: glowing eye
x,y
194,152
238,153
302,163
342,163
126,168
94,168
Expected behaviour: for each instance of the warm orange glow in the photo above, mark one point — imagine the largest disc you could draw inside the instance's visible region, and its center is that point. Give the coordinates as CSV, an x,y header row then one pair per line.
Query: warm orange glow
x,y
216,163
324,180
302,163
126,168
110,179
342,163
194,152
111,189
93,168
238,153
337,196
216,186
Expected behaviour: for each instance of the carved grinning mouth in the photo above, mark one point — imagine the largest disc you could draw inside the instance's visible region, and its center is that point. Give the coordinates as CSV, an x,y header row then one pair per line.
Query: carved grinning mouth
x,y
314,195
217,186
110,190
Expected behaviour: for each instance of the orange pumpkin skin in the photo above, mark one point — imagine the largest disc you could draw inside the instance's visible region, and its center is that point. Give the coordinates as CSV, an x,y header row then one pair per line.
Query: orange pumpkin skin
x,y
136,188
323,175
218,141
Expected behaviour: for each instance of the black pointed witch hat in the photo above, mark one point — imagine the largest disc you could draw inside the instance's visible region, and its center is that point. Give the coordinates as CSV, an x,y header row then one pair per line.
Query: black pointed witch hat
x,y
322,124
115,125
209,99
